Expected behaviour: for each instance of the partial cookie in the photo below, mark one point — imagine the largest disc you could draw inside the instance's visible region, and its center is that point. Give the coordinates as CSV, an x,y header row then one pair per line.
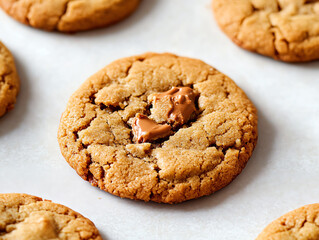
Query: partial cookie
x,y
158,127
286,30
26,217
69,15
9,80
301,224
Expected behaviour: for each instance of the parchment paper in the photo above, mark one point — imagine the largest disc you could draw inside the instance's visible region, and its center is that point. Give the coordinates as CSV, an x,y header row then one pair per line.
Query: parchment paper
x,y
282,175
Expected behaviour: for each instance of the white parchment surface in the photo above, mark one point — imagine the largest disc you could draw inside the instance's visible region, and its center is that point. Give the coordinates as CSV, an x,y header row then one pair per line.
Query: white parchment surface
x,y
282,174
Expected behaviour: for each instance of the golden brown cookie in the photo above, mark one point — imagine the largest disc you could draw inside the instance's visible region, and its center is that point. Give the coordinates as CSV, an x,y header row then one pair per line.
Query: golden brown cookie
x,y
26,217
69,15
286,30
193,129
300,224
9,80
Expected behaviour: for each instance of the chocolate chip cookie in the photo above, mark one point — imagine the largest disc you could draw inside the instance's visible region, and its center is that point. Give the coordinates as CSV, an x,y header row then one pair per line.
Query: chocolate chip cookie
x,y
69,15
26,217
9,81
286,30
158,127
301,224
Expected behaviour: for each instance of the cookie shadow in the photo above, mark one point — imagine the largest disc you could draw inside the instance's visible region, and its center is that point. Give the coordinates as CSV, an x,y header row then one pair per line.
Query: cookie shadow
x,y
314,65
103,235
254,167
141,12
16,116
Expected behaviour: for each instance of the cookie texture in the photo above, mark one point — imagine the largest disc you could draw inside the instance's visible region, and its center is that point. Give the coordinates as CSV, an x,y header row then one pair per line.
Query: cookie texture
x,y
9,81
301,224
286,30
26,217
198,158
69,15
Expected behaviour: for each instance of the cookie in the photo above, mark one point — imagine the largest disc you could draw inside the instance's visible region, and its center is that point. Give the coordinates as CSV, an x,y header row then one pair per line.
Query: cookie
x,y
158,127
69,15
9,81
301,224
286,30
27,217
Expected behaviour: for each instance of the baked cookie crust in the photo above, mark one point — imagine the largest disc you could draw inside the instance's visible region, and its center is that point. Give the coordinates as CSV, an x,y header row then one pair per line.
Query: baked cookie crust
x,y
9,81
198,158
286,30
27,217
301,224
69,15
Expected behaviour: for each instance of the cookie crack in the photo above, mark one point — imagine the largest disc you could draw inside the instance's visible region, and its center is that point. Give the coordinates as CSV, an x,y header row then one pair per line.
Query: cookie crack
x,y
273,27
4,75
4,81
27,17
84,127
21,220
66,7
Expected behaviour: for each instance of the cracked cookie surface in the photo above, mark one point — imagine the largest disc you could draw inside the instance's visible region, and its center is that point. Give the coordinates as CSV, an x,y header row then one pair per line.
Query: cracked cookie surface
x,y
9,81
198,158
286,30
301,224
69,15
26,217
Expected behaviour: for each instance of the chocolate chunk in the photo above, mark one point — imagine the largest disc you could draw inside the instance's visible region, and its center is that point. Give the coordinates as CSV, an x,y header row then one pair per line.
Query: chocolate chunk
x,y
146,130
174,106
